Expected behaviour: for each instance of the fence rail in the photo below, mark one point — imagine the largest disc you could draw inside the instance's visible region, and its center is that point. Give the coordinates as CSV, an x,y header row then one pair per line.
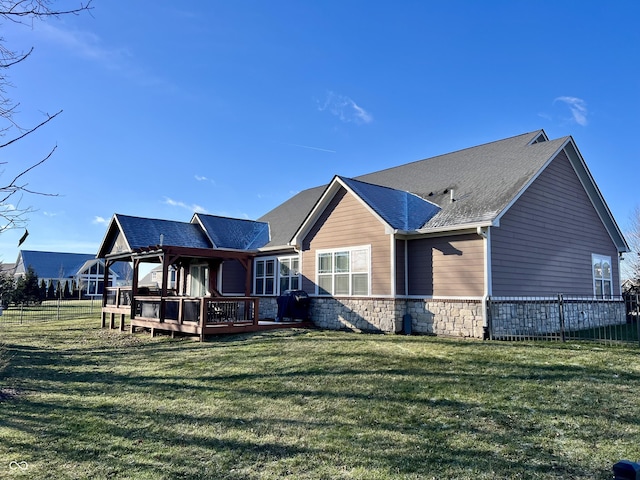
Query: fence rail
x,y
565,317
49,310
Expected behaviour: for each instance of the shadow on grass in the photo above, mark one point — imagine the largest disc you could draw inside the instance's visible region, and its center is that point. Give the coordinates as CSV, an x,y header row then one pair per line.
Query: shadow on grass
x,y
315,405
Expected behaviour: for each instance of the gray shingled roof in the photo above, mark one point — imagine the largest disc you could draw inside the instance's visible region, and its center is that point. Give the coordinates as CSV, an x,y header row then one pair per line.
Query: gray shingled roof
x,y
484,180
234,233
61,264
145,232
401,210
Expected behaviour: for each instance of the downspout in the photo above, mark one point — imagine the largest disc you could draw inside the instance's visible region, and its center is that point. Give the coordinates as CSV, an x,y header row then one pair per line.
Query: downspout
x,y
485,234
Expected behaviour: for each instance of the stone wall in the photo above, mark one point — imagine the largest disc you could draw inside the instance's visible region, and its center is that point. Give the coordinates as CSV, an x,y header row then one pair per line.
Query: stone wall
x,y
460,318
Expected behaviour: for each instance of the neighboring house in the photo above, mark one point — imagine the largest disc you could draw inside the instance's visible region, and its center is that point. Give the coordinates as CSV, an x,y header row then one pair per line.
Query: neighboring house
x,y
430,240
153,279
81,269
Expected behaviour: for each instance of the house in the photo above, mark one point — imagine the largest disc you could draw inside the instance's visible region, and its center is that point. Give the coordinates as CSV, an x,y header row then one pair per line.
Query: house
x,y
430,242
75,269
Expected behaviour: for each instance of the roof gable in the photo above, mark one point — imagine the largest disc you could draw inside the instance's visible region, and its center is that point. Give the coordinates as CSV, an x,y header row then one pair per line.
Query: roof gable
x,y
138,232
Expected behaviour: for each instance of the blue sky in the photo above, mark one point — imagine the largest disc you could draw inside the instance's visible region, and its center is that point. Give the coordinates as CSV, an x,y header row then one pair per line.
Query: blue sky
x,y
230,107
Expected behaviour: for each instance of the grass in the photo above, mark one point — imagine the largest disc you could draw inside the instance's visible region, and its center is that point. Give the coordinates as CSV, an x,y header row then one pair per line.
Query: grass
x,y
80,402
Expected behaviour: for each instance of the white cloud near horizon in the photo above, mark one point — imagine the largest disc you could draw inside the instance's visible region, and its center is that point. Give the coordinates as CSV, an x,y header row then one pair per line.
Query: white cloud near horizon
x,y
578,109
345,109
195,208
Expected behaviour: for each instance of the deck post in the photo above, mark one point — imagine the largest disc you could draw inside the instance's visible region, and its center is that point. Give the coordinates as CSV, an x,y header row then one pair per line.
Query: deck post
x,y
203,317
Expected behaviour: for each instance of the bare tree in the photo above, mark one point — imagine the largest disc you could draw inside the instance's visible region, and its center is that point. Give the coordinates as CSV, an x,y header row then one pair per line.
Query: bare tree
x,y
632,259
24,12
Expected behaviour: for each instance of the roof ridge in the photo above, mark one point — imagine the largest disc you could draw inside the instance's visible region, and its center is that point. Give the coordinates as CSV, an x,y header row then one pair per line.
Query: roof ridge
x,y
455,152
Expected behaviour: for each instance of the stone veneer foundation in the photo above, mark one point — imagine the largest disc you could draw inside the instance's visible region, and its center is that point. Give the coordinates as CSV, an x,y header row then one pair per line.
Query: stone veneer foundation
x,y
460,318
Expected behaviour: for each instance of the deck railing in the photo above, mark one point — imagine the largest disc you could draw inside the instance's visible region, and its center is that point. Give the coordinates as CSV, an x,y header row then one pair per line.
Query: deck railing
x,y
119,297
205,311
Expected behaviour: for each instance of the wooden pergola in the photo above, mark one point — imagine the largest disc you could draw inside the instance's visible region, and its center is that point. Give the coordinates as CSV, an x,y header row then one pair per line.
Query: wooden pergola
x,y
173,310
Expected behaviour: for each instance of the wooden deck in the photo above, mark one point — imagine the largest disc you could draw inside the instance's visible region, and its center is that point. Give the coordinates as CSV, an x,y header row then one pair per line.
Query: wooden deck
x,y
199,316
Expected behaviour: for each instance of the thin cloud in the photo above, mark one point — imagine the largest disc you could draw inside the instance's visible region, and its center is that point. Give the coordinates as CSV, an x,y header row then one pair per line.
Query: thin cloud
x,y
578,109
345,109
89,46
202,178
98,220
309,147
195,208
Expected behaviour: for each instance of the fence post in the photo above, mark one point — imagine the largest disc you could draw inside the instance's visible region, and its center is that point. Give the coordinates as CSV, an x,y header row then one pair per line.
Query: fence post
x,y
635,317
489,315
58,310
561,315
21,312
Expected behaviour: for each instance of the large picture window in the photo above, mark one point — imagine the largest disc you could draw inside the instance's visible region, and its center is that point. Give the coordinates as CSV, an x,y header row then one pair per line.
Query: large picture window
x,y
273,276
602,275
344,271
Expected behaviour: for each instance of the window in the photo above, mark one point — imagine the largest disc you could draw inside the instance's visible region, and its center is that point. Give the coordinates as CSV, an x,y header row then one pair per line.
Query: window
x,y
602,284
289,274
265,277
344,271
275,275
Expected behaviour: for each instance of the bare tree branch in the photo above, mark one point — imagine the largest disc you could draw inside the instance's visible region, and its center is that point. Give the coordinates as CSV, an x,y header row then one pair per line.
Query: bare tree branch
x,y
12,215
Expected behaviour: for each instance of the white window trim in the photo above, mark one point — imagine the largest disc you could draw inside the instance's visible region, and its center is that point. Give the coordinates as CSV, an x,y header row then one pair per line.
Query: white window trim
x,y
276,278
343,249
602,258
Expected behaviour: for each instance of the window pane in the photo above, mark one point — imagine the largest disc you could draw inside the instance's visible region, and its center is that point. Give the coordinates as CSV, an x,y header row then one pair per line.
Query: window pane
x,y
324,263
598,288
360,261
597,268
324,284
268,286
295,283
284,284
284,267
295,266
259,286
360,284
606,270
606,290
260,268
342,284
342,261
270,264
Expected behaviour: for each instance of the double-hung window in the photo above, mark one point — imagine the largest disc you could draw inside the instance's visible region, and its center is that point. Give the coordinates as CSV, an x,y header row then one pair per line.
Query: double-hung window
x,y
602,284
344,271
275,275
265,277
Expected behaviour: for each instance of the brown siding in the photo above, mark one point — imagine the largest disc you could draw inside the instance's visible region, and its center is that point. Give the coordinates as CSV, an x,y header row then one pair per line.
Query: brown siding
x,y
346,223
233,277
447,266
545,240
400,283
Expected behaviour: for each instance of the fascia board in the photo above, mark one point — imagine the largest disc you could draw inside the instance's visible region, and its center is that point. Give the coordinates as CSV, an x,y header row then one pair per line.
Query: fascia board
x,y
322,204
517,196
197,219
595,196
113,224
457,229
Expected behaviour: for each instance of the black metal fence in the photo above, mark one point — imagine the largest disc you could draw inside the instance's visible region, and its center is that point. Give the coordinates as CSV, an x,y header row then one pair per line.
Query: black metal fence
x,y
565,317
50,310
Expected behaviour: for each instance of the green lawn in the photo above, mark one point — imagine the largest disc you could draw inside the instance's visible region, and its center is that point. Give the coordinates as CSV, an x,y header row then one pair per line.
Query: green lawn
x,y
81,402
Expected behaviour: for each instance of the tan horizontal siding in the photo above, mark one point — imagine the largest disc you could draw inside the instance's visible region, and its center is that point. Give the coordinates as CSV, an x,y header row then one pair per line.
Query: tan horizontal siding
x,y
348,223
544,243
447,266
